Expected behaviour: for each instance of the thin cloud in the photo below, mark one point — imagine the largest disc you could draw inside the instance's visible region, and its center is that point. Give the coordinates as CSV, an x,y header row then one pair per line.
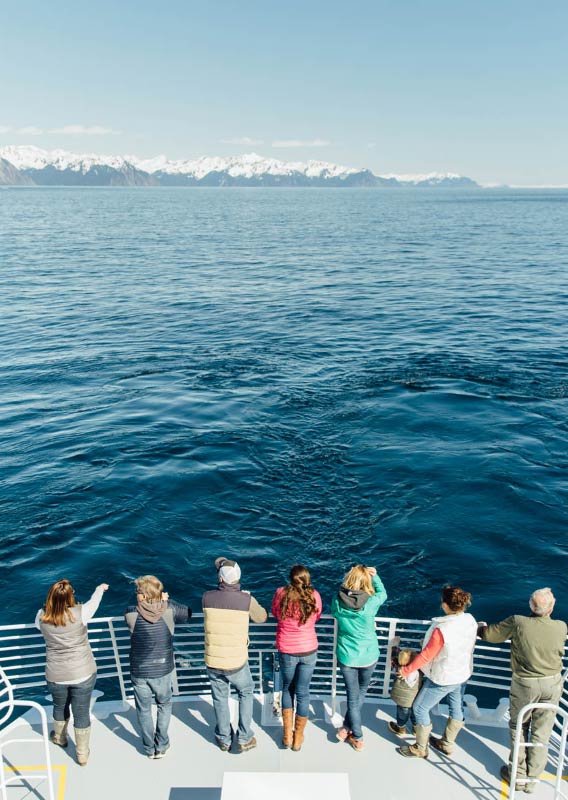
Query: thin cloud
x,y
30,130
301,143
83,130
4,129
247,140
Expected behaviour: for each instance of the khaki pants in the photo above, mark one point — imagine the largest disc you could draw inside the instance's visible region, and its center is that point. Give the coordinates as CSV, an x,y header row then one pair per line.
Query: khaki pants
x,y
537,726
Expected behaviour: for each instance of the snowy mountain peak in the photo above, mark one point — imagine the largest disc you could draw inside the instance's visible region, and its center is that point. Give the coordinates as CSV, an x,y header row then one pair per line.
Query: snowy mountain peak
x,y
59,167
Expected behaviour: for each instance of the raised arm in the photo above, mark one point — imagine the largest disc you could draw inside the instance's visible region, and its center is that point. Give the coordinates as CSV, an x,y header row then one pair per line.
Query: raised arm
x,y
256,612
89,609
380,595
181,613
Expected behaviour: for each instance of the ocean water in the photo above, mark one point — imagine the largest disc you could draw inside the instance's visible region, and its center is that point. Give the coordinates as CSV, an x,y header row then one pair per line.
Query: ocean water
x,y
322,376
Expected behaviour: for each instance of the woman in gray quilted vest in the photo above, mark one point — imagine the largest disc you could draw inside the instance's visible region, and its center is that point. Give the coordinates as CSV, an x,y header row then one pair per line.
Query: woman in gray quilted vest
x,y
71,670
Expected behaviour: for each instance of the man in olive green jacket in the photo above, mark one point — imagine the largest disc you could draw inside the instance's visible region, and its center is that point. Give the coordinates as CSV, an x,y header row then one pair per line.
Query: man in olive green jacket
x,y
537,648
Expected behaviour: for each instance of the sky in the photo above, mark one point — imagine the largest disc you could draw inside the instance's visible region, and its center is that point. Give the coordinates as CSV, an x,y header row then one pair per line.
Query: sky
x,y
478,87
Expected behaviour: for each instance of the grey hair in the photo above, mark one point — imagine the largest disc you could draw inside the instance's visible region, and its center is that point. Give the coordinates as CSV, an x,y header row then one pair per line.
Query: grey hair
x,y
542,601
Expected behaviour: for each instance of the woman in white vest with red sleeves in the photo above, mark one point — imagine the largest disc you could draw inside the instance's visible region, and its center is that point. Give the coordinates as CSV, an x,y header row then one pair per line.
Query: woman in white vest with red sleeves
x,y
446,662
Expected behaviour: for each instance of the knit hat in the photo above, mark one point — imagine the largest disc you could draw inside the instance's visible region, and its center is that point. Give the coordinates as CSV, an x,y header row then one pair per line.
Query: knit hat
x,y
229,571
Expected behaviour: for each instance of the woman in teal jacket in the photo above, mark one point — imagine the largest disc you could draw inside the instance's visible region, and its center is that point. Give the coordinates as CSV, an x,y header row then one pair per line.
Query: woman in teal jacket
x,y
354,607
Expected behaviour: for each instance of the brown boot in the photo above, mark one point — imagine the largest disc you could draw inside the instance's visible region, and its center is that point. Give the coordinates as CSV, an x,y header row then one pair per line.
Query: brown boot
x,y
288,727
445,745
420,747
299,729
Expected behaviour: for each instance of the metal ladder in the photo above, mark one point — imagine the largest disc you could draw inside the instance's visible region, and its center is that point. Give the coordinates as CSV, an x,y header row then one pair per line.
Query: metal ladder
x,y
527,710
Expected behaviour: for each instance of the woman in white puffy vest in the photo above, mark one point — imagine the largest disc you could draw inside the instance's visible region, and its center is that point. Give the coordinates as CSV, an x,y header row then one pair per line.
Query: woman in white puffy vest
x,y
446,662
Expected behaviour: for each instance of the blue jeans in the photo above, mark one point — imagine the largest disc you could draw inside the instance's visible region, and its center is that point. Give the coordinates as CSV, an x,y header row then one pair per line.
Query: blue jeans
x,y
76,697
243,684
403,714
145,691
296,674
357,680
431,694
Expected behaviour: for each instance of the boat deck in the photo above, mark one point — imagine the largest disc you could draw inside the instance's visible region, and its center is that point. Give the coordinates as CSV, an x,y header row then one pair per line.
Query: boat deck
x,y
193,768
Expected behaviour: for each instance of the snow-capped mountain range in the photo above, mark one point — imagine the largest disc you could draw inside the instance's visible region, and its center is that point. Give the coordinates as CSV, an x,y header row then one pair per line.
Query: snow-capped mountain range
x,y
29,165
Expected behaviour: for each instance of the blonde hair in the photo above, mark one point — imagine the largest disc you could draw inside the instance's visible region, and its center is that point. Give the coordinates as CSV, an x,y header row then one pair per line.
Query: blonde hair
x,y
150,586
405,656
358,579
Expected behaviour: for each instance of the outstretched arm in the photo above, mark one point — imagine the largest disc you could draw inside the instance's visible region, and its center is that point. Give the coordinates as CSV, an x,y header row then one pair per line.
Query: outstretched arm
x,y
435,644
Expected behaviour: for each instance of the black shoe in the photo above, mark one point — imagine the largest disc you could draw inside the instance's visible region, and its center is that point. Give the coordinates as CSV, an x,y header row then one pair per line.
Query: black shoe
x,y
247,745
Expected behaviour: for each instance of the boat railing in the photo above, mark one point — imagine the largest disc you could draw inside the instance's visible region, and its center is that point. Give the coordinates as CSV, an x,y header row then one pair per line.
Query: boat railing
x,y
22,655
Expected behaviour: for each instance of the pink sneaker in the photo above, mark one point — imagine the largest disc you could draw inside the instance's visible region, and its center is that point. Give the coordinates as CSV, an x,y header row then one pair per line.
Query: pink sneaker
x,y
342,734
356,744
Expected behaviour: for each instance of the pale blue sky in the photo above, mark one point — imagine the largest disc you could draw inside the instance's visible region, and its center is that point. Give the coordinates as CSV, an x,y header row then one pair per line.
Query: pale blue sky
x,y
473,86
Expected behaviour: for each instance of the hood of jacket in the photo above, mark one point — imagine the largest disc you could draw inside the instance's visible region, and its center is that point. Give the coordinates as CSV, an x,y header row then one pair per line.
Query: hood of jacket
x,y
151,612
353,599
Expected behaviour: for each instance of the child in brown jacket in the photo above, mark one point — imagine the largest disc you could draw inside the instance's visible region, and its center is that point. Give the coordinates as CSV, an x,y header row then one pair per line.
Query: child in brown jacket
x,y
403,692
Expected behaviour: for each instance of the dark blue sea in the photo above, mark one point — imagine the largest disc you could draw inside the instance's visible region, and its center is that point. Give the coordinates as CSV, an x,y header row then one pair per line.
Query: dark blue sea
x,y
322,376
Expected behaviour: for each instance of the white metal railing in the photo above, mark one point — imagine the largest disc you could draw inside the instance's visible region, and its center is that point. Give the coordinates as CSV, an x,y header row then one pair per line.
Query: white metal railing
x,y
22,655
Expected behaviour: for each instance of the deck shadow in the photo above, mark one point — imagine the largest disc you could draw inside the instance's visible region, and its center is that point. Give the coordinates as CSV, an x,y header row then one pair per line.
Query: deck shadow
x,y
195,793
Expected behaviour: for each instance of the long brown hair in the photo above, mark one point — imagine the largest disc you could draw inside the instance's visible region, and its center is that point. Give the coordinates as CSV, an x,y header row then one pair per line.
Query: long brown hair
x,y
60,599
298,595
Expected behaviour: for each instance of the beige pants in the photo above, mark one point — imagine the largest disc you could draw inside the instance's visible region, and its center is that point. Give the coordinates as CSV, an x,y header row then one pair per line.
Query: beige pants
x,y
536,726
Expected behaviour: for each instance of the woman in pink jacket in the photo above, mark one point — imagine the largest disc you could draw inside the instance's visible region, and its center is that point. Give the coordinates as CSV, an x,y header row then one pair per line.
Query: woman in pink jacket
x,y
297,607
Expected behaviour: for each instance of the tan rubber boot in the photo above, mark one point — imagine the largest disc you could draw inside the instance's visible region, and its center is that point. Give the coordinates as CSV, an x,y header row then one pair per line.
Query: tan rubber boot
x,y
59,733
420,747
446,743
82,737
299,728
288,727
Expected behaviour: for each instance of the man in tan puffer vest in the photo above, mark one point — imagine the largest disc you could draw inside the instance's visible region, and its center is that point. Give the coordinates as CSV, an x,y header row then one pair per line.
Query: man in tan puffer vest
x,y
227,611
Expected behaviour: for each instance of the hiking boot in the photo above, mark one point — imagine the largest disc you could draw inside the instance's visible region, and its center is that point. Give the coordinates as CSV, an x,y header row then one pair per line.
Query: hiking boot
x,y
356,744
247,745
520,785
299,728
420,747
59,733
445,745
287,727
398,730
342,734
223,746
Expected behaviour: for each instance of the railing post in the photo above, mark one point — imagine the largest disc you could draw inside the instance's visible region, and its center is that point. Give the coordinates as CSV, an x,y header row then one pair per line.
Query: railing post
x,y
560,766
334,669
117,660
388,667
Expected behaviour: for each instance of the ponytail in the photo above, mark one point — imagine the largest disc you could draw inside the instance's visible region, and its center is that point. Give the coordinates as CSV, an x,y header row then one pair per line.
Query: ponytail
x,y
298,597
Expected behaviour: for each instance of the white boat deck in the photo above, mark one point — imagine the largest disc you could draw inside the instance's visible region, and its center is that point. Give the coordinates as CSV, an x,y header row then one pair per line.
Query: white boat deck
x,y
194,768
